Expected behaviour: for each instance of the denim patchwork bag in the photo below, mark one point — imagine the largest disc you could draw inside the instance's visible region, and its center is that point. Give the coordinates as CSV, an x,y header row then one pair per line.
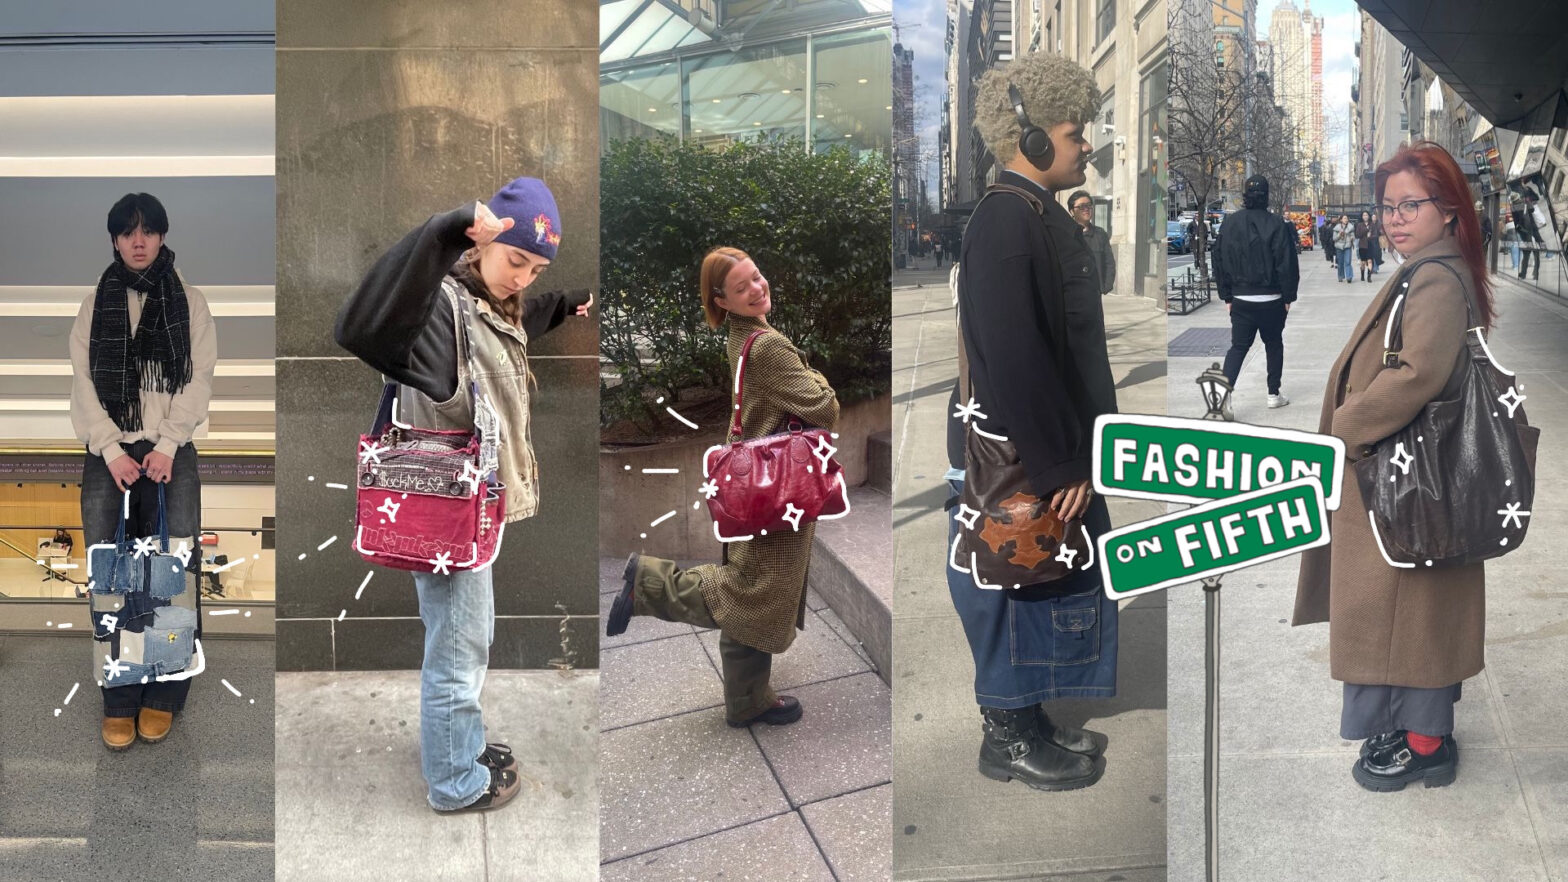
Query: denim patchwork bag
x,y
165,571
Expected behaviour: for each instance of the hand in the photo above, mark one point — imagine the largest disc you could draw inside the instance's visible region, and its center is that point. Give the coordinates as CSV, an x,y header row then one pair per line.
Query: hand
x,y
125,470
1072,500
486,225
582,308
1228,306
159,467
1287,309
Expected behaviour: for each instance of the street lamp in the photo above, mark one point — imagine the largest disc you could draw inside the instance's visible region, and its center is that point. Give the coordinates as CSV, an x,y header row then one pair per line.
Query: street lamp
x,y
1216,389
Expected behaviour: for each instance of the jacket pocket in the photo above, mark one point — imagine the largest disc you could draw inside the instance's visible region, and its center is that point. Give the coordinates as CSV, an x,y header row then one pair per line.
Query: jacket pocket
x,y
1056,631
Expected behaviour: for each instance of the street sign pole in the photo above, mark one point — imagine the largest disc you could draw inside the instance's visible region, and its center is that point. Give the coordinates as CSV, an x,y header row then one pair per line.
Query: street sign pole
x,y
1211,728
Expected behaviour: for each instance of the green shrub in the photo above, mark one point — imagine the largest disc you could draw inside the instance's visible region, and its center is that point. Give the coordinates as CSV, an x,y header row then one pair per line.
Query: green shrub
x,y
816,224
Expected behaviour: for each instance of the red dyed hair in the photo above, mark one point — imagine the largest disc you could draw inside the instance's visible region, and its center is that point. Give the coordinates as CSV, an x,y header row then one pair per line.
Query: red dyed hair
x,y
1443,180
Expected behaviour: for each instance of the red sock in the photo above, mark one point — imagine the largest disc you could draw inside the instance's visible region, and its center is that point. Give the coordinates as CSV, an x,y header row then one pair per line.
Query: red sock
x,y
1426,745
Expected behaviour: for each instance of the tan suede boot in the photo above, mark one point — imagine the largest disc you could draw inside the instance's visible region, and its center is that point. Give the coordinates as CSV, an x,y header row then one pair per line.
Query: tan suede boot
x,y
153,725
118,732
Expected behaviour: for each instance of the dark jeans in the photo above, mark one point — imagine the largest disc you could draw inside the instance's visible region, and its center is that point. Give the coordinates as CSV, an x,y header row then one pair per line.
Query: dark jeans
x,y
1266,320
101,510
1524,264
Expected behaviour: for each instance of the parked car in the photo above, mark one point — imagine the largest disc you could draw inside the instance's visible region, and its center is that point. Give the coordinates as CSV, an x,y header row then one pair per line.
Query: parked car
x,y
1176,238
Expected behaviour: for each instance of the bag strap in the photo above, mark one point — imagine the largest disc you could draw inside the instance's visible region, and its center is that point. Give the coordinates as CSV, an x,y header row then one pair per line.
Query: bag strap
x,y
163,520
1394,336
740,380
390,392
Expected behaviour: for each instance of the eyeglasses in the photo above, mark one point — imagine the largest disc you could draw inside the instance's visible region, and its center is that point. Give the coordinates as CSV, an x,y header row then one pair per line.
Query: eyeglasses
x,y
1407,209
1083,206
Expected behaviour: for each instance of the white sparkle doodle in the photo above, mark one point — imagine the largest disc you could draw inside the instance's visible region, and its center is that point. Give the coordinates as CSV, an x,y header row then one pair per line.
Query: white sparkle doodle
x,y
1512,513
824,451
1066,554
201,665
662,518
228,566
442,563
793,515
709,489
112,668
183,552
341,614
389,508
322,546
230,686
145,547
471,476
223,612
966,516
671,412
969,411
109,622
370,451
336,486
363,584
1511,400
1402,458
70,695
661,471
63,566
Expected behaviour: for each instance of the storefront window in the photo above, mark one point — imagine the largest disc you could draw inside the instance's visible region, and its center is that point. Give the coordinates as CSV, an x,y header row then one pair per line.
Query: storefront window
x,y
854,81
640,103
756,93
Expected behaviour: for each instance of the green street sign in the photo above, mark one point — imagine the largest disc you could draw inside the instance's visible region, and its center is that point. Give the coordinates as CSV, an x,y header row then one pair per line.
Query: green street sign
x,y
1173,459
1213,538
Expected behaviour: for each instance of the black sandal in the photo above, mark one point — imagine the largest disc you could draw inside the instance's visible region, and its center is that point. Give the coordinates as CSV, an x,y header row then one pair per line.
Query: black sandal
x,y
497,756
504,784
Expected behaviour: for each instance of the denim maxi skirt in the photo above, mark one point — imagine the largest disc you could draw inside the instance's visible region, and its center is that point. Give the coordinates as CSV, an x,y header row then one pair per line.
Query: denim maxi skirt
x,y
1041,643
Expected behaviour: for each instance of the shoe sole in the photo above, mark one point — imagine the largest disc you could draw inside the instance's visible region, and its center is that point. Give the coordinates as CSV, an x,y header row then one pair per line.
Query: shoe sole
x,y
1429,778
620,616
1280,405
151,740
117,748
793,717
996,774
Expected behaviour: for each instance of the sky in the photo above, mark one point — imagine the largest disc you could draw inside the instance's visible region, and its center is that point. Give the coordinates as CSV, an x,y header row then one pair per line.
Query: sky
x,y
922,26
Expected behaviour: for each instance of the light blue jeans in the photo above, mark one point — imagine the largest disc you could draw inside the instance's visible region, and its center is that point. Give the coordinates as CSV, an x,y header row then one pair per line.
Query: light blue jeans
x,y
1342,257
459,615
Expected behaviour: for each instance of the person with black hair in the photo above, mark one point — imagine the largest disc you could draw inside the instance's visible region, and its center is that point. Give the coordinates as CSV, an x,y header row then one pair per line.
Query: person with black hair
x,y
1257,274
143,349
1098,241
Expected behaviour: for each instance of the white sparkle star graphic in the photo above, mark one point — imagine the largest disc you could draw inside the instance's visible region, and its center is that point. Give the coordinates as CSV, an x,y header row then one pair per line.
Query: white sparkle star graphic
x,y
113,668
183,552
109,623
1511,400
389,508
969,411
144,547
1066,555
1402,458
472,476
370,450
967,516
709,489
442,563
824,451
1512,513
793,515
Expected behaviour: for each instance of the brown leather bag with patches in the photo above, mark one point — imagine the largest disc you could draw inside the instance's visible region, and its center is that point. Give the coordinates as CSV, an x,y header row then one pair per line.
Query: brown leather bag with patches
x,y
1008,537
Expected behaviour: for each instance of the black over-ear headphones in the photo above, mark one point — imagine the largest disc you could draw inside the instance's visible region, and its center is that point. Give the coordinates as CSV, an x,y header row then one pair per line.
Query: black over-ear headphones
x,y
1033,142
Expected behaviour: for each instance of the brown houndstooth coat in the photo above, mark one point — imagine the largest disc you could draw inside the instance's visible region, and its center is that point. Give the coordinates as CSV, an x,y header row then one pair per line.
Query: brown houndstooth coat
x,y
759,597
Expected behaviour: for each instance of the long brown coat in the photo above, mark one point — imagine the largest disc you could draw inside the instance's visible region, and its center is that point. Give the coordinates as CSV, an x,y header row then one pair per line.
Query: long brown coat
x,y
759,597
1403,627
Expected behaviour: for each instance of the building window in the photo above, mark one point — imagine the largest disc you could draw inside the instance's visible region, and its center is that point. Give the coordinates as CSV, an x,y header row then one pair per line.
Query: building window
x,y
1104,21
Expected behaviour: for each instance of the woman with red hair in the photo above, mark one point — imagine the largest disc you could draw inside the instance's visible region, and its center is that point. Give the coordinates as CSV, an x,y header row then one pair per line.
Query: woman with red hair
x,y
1402,640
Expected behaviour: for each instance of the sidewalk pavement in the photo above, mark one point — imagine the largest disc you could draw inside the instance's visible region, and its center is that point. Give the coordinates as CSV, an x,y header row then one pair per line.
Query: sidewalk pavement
x,y
687,797
950,822
351,802
197,805
1288,806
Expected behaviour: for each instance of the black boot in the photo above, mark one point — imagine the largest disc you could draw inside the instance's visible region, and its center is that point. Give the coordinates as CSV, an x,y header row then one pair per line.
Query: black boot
x,y
1396,765
621,608
1068,738
1013,747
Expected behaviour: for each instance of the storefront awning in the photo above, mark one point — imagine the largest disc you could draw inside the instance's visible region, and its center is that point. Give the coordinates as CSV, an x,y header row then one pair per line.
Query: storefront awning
x,y
1507,58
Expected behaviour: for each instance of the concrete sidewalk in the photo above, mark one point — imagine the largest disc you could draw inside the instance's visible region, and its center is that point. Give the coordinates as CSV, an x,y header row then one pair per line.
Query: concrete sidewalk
x,y
949,822
1289,808
351,803
687,797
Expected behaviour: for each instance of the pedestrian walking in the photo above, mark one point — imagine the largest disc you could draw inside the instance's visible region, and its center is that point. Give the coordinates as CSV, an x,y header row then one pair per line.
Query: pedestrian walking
x,y
1366,243
757,596
1344,241
1098,241
1402,640
1257,274
1326,236
143,351
1029,303
1528,220
1376,242
454,287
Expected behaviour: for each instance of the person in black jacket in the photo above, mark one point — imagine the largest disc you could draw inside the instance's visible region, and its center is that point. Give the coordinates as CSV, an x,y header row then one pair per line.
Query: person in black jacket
x,y
1098,241
1033,329
1257,274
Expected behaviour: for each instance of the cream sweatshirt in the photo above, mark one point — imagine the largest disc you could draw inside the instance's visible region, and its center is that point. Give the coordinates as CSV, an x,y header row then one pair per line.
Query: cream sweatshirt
x,y
167,420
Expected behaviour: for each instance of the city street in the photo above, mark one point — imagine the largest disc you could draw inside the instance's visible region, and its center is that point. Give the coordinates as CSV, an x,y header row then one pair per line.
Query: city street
x,y
950,823
1288,806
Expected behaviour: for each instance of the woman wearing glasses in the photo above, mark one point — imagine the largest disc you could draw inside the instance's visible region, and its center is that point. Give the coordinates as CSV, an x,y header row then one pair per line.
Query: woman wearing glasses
x,y
1402,640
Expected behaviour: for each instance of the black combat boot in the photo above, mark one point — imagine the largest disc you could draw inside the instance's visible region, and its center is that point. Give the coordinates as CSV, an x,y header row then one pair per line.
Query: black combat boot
x,y
1081,741
1014,747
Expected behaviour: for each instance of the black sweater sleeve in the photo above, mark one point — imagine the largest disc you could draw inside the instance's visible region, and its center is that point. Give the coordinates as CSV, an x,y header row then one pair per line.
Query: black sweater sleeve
x,y
396,321
1008,279
543,313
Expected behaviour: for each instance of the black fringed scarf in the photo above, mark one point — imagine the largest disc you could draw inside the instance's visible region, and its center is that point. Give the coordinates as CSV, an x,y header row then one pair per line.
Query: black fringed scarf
x,y
161,348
